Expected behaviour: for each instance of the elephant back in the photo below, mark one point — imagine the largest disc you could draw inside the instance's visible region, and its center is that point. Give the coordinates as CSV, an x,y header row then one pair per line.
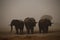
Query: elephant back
x,y
44,22
33,22
30,21
17,22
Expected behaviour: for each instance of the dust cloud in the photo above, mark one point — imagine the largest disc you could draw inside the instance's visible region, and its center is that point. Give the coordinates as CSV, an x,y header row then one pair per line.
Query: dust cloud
x,y
20,9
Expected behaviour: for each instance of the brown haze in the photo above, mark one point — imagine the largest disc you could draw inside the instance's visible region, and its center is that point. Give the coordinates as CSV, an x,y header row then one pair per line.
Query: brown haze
x,y
20,9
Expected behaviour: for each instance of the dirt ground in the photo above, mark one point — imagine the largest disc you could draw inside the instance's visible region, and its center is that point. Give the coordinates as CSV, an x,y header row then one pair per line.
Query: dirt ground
x,y
36,36
32,38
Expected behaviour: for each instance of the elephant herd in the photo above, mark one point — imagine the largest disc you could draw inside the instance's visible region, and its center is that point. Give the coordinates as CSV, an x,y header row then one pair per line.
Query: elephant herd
x,y
30,23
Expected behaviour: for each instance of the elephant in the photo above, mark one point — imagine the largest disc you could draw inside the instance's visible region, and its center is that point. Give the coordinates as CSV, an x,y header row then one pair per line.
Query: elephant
x,y
18,24
44,24
30,23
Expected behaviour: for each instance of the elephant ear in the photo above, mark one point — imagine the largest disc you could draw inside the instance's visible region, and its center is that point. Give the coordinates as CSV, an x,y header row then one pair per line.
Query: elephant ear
x,y
47,17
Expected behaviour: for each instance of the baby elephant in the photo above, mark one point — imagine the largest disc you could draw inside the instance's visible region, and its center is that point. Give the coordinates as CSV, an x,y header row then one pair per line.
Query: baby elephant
x,y
18,24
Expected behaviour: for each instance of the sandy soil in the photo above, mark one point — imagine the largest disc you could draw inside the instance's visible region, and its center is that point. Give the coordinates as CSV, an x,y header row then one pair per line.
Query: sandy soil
x,y
32,38
36,36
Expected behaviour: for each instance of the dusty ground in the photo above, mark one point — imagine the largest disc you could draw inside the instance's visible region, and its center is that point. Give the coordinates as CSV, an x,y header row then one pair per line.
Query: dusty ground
x,y
36,36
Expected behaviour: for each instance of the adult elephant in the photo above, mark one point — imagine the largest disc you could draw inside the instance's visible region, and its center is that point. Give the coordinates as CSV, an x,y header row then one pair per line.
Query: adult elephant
x,y
30,23
43,25
18,24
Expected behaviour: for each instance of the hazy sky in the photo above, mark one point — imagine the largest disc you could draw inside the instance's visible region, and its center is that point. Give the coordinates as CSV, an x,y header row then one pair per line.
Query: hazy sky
x,y
20,9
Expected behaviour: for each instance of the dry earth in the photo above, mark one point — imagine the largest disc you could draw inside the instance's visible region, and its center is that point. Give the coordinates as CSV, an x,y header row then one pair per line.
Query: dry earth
x,y
36,36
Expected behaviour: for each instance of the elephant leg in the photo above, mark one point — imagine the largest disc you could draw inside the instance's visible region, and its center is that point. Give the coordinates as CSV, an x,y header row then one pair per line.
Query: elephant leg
x,y
21,31
46,30
40,29
16,30
28,31
32,30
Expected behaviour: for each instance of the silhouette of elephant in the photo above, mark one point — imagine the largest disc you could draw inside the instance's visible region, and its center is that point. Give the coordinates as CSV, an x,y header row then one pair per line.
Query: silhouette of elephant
x,y
43,25
18,24
29,24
